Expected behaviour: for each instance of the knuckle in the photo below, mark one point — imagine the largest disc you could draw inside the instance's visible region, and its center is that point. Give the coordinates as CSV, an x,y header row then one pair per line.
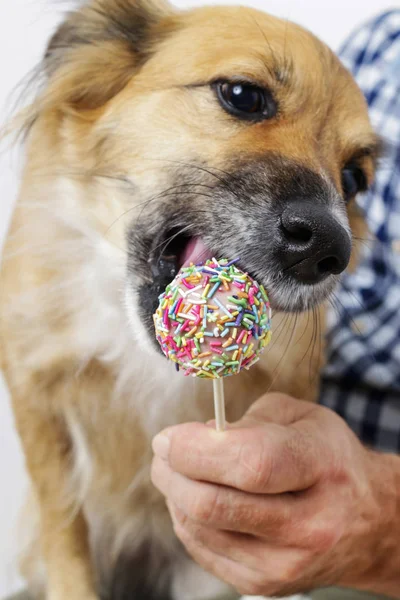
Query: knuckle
x,y
322,537
255,466
198,536
180,517
207,506
306,462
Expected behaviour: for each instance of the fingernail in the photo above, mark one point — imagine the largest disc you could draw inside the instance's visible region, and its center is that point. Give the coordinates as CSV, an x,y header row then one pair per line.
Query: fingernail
x,y
161,445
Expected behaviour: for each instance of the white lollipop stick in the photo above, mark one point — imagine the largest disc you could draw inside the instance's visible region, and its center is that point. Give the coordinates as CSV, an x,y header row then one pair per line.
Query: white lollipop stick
x,y
219,404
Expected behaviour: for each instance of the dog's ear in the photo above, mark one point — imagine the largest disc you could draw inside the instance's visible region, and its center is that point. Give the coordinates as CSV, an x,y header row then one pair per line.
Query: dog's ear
x,y
99,47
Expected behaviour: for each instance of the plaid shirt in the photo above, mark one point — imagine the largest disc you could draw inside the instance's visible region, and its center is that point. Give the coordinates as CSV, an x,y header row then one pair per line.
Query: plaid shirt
x,y
361,381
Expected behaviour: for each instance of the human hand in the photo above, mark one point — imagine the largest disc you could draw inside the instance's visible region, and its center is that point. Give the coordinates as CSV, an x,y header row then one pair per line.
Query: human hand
x,y
286,500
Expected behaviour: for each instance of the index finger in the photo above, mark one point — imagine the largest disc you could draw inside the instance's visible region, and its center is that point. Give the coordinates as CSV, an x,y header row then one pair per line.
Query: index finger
x,y
265,459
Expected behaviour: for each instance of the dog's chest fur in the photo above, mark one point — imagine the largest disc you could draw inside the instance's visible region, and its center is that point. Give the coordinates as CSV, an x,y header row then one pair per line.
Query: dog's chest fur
x,y
122,392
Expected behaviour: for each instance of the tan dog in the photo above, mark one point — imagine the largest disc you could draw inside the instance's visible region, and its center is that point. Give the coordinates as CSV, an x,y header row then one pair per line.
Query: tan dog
x,y
160,137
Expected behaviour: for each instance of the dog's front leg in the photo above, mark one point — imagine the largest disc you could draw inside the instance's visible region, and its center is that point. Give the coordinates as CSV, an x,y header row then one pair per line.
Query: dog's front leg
x,y
63,535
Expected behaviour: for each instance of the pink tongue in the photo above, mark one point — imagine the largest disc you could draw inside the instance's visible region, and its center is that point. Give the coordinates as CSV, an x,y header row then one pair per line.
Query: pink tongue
x,y
195,252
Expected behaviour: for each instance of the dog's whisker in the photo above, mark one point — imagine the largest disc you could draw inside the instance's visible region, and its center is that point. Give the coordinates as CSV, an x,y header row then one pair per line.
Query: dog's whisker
x,y
275,69
352,321
159,196
320,343
305,328
291,329
202,169
291,326
303,357
280,327
285,42
334,307
279,332
369,352
357,300
317,342
166,242
313,342
347,314
148,201
364,239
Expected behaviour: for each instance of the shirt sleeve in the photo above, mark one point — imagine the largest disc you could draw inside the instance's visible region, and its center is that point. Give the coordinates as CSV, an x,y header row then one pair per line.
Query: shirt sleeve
x,y
369,43
361,380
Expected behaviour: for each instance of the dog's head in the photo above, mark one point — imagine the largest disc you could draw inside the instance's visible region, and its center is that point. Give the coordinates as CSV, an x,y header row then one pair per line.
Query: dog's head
x,y
238,135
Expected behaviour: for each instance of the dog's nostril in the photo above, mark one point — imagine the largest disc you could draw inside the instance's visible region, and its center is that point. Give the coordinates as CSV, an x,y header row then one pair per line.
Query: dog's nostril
x,y
330,264
298,234
295,231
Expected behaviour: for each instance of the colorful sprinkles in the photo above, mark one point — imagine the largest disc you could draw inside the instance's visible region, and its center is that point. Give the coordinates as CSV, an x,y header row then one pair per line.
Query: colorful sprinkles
x,y
213,320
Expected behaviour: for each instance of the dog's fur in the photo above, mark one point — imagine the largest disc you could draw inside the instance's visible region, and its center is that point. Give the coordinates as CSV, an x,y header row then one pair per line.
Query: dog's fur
x,y
125,136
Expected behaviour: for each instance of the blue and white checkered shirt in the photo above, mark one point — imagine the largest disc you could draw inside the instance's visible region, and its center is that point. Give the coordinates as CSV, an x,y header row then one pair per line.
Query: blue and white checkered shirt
x,y
362,379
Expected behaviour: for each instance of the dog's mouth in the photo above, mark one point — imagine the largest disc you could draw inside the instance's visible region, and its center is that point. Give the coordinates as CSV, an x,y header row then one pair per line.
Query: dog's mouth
x,y
168,252
174,251
174,248
178,250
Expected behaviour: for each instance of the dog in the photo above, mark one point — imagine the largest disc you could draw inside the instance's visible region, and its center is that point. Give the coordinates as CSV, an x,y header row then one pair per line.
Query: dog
x,y
160,138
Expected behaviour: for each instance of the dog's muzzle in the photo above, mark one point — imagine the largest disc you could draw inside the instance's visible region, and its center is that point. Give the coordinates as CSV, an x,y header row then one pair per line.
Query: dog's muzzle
x,y
287,223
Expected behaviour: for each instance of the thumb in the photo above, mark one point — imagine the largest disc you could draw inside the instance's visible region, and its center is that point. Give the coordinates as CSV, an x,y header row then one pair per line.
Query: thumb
x,y
275,408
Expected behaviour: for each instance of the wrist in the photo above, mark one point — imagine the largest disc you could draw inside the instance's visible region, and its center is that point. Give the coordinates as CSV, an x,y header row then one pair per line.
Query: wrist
x,y
379,535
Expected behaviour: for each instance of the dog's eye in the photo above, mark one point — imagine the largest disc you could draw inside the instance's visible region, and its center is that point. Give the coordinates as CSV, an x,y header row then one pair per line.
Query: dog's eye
x,y
246,101
354,181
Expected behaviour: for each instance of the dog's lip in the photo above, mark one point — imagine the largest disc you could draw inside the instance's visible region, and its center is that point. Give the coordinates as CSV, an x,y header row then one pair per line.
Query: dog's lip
x,y
195,252
187,250
178,251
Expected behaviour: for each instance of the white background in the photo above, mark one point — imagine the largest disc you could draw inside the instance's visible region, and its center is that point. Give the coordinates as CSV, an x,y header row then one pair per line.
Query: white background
x,y
25,25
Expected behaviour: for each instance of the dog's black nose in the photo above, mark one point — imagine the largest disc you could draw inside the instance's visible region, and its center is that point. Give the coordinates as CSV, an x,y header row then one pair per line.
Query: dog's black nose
x,y
312,243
